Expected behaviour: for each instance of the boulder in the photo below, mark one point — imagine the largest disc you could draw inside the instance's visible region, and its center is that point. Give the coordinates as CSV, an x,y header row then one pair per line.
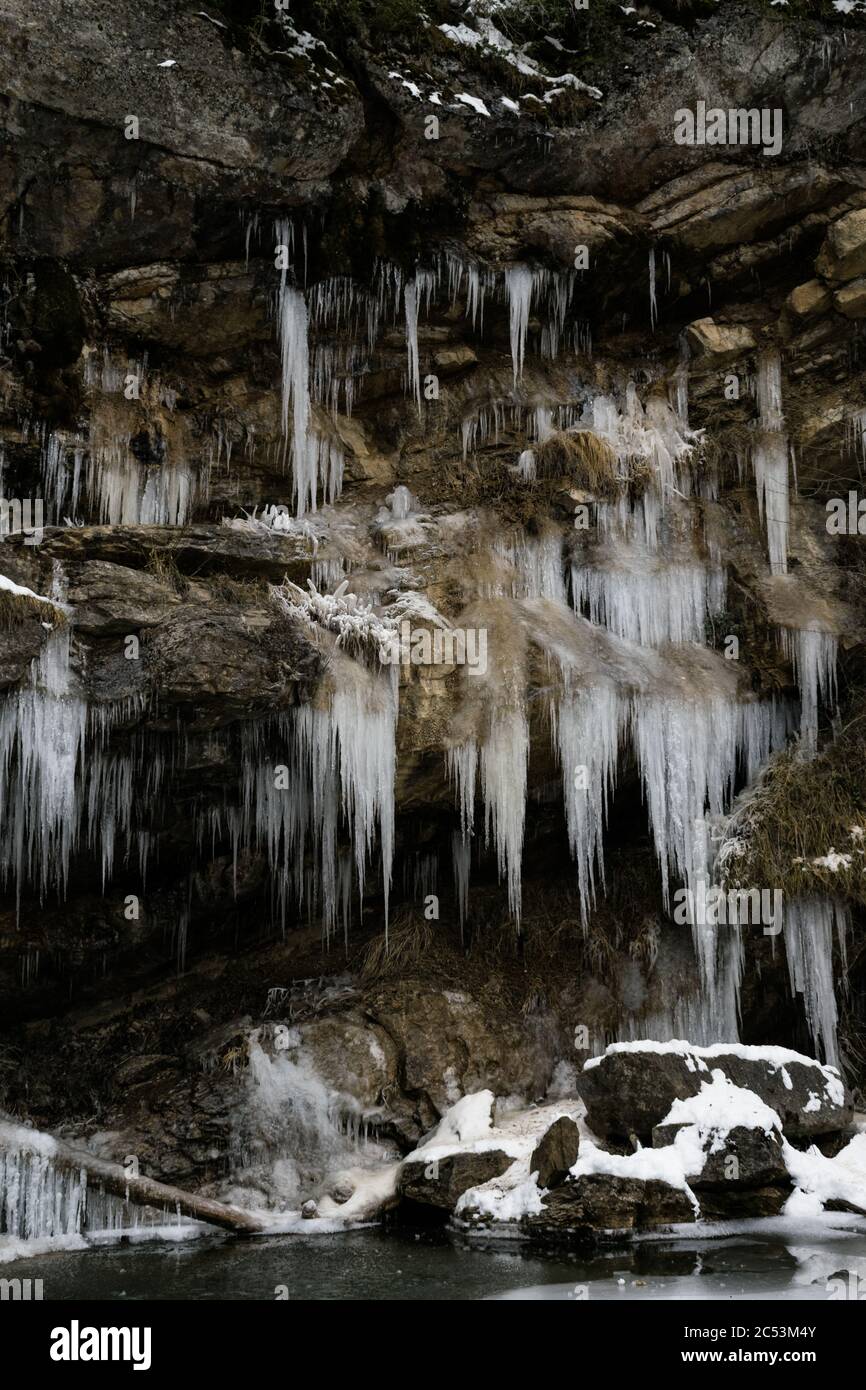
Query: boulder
x,y
439,1182
632,1087
603,1203
556,1152
744,1156
843,254
736,1203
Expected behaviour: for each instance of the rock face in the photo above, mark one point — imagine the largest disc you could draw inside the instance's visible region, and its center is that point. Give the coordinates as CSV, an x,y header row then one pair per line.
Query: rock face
x,y
631,1088
333,295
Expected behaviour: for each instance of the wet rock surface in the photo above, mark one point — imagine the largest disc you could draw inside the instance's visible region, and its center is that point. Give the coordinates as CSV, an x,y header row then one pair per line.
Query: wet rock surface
x,y
146,262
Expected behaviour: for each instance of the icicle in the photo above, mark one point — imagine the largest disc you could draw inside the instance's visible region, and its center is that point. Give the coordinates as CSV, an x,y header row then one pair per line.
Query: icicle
x,y
42,731
652,288
39,1199
642,599
340,759
518,286
461,859
462,763
410,294
422,286
526,467
689,751
808,933
770,461
536,564
504,759
813,656
586,727
294,351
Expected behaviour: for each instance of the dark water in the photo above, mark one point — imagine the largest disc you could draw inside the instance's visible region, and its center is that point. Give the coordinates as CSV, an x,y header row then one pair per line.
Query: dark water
x,y
378,1264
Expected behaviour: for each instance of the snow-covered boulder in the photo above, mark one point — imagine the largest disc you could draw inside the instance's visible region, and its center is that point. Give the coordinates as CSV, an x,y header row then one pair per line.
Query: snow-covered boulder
x,y
729,1135
478,1165
631,1088
460,1153
440,1182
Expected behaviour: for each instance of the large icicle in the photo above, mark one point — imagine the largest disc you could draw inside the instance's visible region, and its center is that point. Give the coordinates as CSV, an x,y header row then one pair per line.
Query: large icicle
x,y
770,461
340,760
642,598
504,760
808,929
689,751
518,288
42,732
294,352
586,730
420,287
812,654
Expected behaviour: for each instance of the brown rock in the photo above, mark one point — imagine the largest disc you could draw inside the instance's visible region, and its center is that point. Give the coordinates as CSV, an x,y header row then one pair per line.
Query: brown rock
x,y
709,339
806,300
597,1204
843,255
555,1152
851,300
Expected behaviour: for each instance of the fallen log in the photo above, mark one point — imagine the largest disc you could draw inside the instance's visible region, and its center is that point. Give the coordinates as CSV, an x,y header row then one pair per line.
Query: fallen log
x,y
114,1178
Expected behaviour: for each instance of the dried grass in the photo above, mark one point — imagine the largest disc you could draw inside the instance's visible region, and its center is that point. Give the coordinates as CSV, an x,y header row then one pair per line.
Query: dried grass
x,y
584,459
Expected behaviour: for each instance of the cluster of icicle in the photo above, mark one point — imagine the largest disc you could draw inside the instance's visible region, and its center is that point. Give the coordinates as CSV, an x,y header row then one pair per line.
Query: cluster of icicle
x,y
346,318
647,680
100,467
51,794
41,1199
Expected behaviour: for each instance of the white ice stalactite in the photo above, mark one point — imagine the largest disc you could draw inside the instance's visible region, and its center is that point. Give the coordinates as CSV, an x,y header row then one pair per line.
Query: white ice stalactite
x,y
39,1199
586,726
652,288
689,751
42,733
410,294
340,766
812,654
641,598
808,930
62,476
518,288
462,763
421,287
504,757
770,461
294,352
461,859
526,466
317,460
536,565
